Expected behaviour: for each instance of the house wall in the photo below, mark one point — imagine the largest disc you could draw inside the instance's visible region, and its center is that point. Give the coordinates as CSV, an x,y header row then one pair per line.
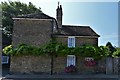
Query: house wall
x,y
100,66
86,41
30,64
37,64
32,31
59,64
42,65
79,41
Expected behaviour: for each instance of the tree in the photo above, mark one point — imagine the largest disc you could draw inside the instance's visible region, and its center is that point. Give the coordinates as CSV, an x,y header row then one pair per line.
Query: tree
x,y
111,48
116,53
13,9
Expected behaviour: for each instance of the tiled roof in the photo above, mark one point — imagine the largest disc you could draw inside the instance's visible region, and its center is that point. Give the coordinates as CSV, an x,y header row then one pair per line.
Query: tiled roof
x,y
38,15
69,30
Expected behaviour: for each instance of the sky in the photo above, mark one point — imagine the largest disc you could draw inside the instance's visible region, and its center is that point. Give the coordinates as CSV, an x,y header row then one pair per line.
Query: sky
x,y
101,16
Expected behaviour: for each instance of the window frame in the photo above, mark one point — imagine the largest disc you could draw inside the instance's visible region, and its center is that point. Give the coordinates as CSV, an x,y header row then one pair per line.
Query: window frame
x,y
71,42
6,61
71,60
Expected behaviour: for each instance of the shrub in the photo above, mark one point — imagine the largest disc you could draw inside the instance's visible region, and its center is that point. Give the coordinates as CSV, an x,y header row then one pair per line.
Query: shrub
x,y
8,50
116,53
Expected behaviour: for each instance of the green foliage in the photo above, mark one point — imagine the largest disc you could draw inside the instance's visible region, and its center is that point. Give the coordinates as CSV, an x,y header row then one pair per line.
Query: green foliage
x,y
22,49
92,51
8,50
54,48
116,53
50,48
101,51
88,51
13,9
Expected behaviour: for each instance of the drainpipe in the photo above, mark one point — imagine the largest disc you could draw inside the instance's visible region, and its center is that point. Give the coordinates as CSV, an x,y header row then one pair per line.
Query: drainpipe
x,y
51,72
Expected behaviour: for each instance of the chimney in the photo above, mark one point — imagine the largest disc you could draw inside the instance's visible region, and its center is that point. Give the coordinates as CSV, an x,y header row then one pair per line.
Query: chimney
x,y
59,16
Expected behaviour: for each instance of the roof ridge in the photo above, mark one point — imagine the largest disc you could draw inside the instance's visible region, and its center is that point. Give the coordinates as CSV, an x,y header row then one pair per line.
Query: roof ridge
x,y
74,26
29,14
38,15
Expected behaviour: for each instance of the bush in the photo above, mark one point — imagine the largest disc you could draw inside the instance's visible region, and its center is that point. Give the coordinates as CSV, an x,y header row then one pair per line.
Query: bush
x,y
116,53
8,50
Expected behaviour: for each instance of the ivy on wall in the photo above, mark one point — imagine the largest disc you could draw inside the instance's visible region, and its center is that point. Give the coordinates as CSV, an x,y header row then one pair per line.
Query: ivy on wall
x,y
54,48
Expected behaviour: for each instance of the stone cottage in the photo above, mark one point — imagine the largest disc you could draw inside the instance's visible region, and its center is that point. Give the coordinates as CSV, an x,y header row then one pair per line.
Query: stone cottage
x,y
37,29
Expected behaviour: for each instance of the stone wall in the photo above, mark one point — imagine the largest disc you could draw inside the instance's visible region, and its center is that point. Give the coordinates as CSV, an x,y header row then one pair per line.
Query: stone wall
x,y
86,41
116,65
59,64
42,65
100,66
30,64
79,41
32,31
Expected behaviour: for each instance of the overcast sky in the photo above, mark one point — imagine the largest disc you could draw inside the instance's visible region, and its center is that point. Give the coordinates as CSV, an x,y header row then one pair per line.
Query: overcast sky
x,y
102,16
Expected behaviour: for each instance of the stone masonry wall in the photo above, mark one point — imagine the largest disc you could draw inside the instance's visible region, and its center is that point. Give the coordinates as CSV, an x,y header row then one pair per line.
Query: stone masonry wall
x,y
42,65
100,66
31,31
86,41
30,64
79,41
59,64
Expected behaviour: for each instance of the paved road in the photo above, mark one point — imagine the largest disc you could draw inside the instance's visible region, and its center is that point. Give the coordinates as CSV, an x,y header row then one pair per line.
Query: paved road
x,y
62,77
59,79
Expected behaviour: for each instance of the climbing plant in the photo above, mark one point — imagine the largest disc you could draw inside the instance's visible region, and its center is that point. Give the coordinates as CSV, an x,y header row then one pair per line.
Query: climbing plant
x,y
54,48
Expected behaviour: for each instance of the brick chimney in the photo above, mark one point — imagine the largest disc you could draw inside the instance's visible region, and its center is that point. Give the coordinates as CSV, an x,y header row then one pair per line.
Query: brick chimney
x,y
59,15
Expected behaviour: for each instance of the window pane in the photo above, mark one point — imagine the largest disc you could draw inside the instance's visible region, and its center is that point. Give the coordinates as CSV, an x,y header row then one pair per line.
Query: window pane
x,y
70,60
71,42
5,59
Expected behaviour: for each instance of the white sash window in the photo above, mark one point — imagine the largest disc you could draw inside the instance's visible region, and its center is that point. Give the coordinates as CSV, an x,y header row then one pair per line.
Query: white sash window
x,y
71,60
71,41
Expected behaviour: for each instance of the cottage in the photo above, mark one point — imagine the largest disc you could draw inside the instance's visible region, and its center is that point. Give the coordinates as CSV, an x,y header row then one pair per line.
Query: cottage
x,y
37,29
